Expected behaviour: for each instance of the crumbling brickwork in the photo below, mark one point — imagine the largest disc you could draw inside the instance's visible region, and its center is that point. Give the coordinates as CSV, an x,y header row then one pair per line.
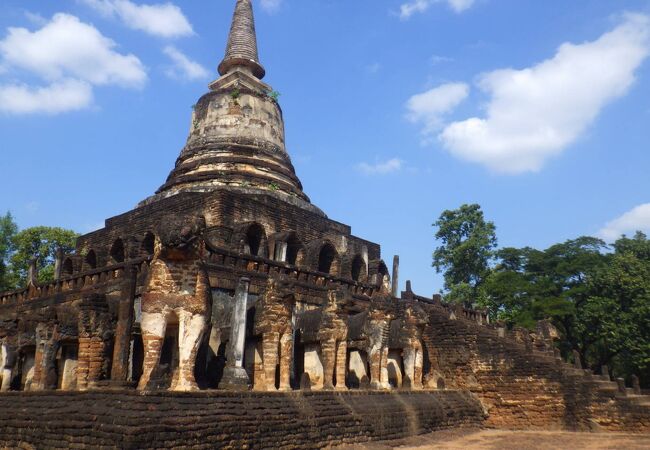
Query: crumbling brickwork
x,y
221,420
522,388
228,278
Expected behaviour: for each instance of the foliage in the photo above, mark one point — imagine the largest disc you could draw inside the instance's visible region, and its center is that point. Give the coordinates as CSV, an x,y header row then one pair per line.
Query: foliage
x,y
273,95
8,230
468,244
598,297
41,244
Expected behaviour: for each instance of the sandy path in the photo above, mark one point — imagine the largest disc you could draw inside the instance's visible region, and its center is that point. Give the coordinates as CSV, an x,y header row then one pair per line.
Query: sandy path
x,y
512,440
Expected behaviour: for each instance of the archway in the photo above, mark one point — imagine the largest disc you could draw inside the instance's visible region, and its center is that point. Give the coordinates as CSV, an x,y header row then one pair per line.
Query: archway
x,y
91,260
68,267
148,242
117,251
295,250
358,270
328,259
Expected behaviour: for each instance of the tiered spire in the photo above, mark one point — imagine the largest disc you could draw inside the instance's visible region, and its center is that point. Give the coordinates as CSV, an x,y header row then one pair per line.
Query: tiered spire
x,y
241,50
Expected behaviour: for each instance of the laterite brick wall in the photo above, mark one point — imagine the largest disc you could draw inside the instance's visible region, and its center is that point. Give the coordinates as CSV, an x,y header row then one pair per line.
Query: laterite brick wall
x,y
521,389
206,420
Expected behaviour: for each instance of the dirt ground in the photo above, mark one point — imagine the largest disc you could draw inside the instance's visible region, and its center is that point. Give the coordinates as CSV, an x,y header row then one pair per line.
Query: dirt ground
x,y
512,440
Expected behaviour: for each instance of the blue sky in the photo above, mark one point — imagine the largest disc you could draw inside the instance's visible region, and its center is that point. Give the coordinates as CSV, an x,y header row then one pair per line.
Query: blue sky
x,y
395,110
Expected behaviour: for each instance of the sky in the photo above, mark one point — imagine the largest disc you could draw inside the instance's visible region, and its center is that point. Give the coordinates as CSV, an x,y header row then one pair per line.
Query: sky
x,y
395,110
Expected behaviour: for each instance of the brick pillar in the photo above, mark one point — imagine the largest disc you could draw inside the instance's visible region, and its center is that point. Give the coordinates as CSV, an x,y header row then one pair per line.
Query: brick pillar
x,y
122,346
93,328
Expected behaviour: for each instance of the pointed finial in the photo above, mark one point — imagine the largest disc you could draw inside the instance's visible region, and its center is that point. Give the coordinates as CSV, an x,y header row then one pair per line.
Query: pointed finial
x,y
241,50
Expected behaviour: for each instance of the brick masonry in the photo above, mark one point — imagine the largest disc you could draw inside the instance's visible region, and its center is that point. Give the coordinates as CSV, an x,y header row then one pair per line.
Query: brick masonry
x,y
309,420
522,389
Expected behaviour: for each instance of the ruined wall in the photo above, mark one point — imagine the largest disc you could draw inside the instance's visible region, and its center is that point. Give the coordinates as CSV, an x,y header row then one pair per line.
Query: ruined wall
x,y
220,420
227,209
521,389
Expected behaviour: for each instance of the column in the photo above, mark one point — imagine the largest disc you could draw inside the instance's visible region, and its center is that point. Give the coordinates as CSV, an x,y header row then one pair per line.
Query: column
x,y
395,285
122,345
234,375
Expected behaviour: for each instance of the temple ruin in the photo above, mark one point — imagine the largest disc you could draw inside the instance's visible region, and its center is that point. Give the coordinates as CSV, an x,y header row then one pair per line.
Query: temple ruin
x,y
226,310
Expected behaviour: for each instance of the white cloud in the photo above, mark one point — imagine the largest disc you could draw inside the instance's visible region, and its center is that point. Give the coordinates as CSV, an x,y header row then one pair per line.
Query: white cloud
x,y
438,59
160,19
536,113
429,107
637,219
271,5
373,68
58,97
381,168
67,47
184,68
71,57
35,18
420,6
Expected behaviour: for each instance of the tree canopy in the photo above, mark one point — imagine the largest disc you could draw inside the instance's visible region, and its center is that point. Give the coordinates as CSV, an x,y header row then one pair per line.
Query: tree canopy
x,y
598,296
19,248
468,244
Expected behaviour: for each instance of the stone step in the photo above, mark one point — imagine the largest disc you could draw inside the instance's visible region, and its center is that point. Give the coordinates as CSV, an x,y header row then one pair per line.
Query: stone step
x,y
642,400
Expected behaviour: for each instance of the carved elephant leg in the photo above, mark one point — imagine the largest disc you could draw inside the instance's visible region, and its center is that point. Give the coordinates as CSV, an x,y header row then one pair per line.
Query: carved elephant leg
x,y
341,363
374,358
419,365
286,353
270,358
328,355
6,379
153,334
8,362
191,328
408,355
383,379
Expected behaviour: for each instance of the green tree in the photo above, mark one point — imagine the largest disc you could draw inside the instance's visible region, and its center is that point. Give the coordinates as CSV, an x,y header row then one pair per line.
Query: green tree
x,y
468,243
8,230
528,285
615,320
41,244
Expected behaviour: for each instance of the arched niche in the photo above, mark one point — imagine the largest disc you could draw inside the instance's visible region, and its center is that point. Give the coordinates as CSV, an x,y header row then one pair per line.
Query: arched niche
x,y
328,259
359,269
90,260
117,251
295,250
250,238
147,247
68,267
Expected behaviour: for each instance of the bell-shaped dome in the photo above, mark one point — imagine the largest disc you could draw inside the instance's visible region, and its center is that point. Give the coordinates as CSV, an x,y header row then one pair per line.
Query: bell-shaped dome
x,y
236,138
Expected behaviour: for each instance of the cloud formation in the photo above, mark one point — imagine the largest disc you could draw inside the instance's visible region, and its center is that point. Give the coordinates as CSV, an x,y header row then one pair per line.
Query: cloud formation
x,y
535,113
160,19
184,68
381,168
71,57
430,107
637,219
58,97
271,5
420,6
